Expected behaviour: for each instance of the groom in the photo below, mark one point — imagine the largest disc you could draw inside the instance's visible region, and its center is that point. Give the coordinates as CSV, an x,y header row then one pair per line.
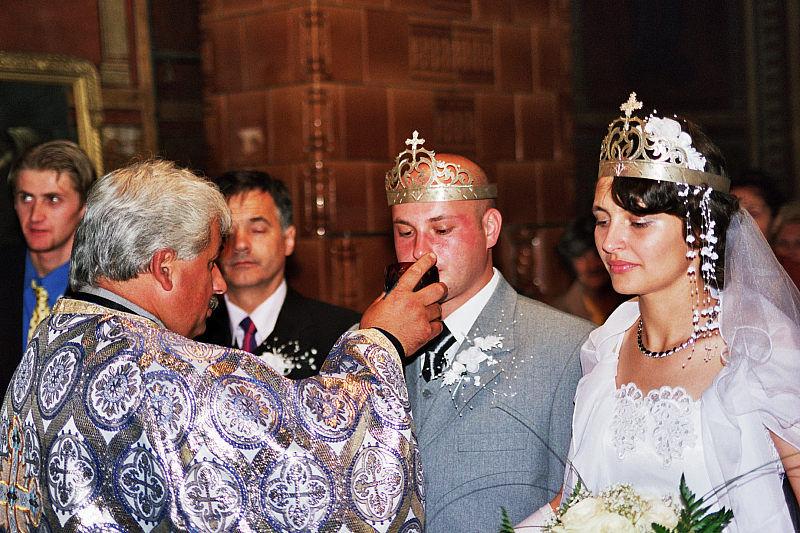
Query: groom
x,y
493,406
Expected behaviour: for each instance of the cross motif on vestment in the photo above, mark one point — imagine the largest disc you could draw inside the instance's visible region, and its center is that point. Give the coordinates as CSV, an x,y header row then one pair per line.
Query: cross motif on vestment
x,y
20,503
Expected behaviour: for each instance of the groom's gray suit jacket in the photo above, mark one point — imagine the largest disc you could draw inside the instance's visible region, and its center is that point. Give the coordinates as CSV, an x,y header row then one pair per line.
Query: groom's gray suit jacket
x,y
502,442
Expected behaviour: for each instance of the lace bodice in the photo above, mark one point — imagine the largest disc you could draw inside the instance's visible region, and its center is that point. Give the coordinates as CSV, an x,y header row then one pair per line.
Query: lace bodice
x,y
646,439
666,420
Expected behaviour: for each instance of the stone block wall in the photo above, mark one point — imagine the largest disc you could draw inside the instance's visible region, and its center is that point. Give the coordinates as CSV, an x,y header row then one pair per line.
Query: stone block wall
x,y
324,94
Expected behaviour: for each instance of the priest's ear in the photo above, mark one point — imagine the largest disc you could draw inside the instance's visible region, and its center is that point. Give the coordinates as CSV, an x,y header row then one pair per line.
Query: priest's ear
x,y
162,267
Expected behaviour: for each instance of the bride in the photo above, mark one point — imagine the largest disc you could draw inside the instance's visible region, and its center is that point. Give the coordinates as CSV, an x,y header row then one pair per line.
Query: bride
x,y
700,374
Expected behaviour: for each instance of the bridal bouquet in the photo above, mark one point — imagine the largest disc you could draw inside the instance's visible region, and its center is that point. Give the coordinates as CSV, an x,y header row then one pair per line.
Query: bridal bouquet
x,y
620,509
617,508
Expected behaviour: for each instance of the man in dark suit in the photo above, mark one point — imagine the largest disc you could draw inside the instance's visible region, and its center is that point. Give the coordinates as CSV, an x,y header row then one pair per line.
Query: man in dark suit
x,y
262,314
48,186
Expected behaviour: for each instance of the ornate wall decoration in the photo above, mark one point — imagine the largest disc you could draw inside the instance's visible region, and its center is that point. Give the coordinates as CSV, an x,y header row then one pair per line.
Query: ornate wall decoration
x,y
455,124
315,49
345,83
317,122
772,86
456,7
345,269
115,69
447,52
319,198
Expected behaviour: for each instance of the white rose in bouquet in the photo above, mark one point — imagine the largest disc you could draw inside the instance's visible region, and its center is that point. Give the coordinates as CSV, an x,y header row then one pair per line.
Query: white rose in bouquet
x,y
591,515
612,523
581,512
657,512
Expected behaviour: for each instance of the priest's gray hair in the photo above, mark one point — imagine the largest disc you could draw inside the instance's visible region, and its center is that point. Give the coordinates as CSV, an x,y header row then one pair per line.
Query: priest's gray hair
x,y
135,211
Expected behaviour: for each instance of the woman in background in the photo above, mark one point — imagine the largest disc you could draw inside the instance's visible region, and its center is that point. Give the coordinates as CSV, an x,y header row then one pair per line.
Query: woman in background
x,y
759,196
590,295
786,242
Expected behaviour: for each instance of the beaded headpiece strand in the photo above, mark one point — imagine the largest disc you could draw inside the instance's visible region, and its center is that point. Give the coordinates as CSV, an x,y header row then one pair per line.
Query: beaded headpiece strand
x,y
418,177
658,149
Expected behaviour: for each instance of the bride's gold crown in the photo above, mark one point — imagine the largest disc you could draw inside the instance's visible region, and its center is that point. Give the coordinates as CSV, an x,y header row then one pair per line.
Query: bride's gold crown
x,y
418,177
654,148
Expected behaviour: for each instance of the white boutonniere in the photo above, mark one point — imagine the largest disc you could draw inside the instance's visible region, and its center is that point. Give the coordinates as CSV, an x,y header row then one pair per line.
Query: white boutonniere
x,y
277,361
469,361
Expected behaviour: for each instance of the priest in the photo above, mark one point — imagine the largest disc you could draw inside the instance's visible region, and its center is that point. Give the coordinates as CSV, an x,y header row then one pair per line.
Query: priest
x,y
116,421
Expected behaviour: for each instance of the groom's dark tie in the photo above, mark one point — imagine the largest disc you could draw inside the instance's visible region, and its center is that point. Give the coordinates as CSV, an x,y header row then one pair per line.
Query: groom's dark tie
x,y
433,353
249,341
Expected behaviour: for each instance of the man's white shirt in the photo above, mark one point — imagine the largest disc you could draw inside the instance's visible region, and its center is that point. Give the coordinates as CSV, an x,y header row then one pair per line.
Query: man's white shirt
x,y
264,316
461,320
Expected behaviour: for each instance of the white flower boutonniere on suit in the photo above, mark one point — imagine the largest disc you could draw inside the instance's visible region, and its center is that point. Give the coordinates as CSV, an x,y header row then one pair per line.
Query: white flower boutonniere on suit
x,y
468,361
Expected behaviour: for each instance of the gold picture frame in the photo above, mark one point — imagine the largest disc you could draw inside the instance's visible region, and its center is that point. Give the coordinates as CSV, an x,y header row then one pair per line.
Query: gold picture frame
x,y
82,81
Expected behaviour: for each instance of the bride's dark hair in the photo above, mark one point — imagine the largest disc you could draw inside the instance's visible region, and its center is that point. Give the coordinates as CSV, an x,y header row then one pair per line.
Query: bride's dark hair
x,y
642,196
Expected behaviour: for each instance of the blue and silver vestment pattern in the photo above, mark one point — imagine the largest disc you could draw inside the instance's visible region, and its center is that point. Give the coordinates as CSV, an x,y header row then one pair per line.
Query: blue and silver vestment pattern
x,y
113,424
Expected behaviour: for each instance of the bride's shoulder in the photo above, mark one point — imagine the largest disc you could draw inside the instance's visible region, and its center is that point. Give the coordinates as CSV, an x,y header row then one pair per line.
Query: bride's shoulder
x,y
618,322
602,340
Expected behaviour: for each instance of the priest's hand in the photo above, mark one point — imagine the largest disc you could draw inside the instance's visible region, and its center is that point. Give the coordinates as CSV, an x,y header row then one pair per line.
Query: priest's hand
x,y
413,318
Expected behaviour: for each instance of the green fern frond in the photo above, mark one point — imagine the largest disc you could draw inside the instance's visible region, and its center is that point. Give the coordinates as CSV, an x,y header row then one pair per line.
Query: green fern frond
x,y
575,493
693,517
505,526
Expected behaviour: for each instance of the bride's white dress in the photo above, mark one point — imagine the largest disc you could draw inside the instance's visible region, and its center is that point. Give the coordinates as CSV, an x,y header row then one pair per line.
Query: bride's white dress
x,y
650,438
646,439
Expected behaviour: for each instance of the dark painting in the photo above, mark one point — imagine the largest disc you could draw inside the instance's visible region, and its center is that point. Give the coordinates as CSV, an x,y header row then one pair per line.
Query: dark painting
x,y
30,113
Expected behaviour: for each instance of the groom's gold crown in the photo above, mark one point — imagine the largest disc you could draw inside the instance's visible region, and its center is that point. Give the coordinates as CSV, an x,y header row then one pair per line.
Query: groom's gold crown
x,y
418,177
654,148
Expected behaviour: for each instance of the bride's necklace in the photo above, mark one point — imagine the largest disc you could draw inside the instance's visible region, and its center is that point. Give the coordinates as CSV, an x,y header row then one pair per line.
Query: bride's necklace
x,y
666,353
